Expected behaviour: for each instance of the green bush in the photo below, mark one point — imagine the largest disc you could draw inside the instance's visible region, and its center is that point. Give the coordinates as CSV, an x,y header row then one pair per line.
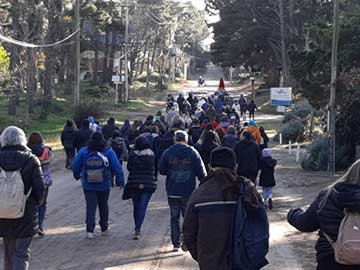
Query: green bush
x,y
154,77
317,156
292,131
95,91
300,111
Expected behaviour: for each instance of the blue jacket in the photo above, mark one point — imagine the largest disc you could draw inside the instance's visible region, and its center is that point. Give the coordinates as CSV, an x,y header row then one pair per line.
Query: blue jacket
x,y
114,167
181,164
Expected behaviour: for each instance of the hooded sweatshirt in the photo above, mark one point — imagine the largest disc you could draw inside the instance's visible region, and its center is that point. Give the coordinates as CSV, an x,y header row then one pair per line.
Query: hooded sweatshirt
x,y
267,167
181,164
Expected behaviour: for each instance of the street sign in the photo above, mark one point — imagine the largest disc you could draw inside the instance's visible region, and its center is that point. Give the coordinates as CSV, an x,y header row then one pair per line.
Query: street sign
x,y
281,96
115,78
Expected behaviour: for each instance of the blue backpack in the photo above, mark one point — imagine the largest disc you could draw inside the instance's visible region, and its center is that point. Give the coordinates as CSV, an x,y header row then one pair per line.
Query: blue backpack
x,y
96,167
250,236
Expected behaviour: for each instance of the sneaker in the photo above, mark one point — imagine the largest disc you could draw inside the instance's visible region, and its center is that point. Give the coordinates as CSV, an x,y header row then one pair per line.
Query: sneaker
x,y
41,233
271,204
90,235
176,248
106,232
137,235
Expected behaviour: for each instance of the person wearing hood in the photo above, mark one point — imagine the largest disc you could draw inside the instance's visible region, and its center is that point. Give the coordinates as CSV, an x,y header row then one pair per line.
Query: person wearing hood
x,y
83,135
267,176
16,156
141,182
109,128
68,137
219,106
181,164
325,214
209,217
94,165
255,132
118,144
248,157
44,153
93,125
195,131
231,140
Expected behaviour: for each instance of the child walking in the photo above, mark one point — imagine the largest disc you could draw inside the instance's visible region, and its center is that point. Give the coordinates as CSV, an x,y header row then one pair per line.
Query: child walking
x,y
267,176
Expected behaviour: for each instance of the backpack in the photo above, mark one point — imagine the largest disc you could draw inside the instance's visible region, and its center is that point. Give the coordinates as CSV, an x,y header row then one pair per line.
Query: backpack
x,y
347,246
96,166
250,236
119,147
12,195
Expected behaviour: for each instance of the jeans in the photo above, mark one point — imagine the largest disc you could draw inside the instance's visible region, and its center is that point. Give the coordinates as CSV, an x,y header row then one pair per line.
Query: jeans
x,y
267,194
42,210
17,253
141,201
70,154
93,200
177,207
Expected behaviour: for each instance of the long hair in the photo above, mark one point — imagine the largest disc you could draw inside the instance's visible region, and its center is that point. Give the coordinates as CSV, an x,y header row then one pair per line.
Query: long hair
x,y
351,177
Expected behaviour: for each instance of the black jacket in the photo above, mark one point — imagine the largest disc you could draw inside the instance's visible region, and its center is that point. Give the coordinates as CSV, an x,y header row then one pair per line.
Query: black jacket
x,y
13,158
195,133
248,157
209,216
141,167
83,136
267,175
68,137
325,214
108,131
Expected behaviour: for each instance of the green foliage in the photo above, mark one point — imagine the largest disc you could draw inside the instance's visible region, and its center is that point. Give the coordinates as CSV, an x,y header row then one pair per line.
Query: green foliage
x,y
86,109
300,111
317,156
154,77
293,131
95,91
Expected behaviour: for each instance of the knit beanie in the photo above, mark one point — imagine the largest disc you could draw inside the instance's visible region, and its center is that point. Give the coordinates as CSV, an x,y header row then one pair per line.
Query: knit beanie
x,y
252,123
267,152
223,157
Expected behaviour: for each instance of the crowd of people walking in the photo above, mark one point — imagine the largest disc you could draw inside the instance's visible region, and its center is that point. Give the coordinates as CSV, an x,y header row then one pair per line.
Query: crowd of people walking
x,y
213,161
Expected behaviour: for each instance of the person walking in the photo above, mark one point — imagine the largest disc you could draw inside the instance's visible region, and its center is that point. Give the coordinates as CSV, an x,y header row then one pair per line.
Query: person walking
x,y
181,164
109,128
118,144
255,132
68,137
264,142
326,213
125,132
243,107
83,135
141,182
248,157
231,139
17,233
251,108
211,141
209,217
267,176
44,153
93,165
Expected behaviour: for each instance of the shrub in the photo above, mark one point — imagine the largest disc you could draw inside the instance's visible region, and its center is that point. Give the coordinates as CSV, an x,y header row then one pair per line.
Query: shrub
x,y
317,156
154,77
292,131
95,91
300,111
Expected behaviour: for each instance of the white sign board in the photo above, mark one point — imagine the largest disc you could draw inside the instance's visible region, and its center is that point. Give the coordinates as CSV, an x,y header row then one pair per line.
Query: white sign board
x,y
281,109
281,96
117,79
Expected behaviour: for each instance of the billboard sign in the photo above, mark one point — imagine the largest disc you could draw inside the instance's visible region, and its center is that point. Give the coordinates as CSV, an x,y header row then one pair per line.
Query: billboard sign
x,y
281,96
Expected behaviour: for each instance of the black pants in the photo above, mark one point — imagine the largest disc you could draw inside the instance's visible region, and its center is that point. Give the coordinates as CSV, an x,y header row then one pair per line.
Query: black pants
x,y
97,199
70,154
252,115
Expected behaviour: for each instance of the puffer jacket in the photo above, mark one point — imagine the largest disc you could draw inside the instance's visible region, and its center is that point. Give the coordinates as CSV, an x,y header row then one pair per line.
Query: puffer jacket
x,y
208,220
141,167
325,214
13,158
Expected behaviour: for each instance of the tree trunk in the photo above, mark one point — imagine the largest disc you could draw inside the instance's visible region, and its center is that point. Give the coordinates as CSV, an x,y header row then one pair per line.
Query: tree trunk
x,y
31,79
284,58
106,67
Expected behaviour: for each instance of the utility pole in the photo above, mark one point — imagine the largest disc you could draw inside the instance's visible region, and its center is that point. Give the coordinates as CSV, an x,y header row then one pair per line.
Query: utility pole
x,y
126,53
332,105
77,56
